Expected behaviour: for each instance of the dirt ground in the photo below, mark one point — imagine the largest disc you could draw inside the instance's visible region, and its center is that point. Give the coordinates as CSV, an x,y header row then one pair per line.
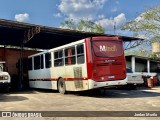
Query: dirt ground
x,y
110,100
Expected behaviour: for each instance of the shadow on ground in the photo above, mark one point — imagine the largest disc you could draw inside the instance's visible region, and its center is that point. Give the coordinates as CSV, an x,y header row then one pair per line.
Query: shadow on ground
x,y
8,98
12,96
97,93
116,93
45,90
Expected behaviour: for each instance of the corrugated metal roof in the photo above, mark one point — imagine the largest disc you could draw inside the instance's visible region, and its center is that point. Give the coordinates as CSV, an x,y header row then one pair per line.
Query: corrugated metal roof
x,y
12,33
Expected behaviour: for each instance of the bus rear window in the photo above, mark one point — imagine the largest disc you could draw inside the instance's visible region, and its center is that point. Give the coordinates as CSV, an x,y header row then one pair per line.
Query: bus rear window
x,y
107,48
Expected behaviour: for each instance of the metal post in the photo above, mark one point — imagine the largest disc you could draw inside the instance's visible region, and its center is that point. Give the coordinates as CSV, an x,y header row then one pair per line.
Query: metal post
x,y
28,35
148,66
4,53
21,65
114,27
133,63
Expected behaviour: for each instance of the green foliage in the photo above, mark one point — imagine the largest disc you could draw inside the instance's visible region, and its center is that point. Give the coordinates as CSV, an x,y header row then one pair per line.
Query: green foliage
x,y
155,57
83,25
147,23
69,24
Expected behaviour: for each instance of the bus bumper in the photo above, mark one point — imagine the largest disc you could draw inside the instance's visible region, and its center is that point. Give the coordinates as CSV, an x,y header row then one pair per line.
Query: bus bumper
x,y
93,84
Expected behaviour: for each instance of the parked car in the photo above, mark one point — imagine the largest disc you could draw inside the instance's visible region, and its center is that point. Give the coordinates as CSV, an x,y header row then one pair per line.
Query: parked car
x,y
133,79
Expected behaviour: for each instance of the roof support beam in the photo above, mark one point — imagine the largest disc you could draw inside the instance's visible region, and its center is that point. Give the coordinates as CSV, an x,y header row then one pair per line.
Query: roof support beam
x,y
21,79
30,33
131,44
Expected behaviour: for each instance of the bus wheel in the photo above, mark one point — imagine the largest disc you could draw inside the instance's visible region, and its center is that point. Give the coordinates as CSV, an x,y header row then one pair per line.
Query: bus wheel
x,y
61,86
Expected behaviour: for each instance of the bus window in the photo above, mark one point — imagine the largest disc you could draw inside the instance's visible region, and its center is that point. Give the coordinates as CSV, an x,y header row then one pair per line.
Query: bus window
x,y
36,62
58,58
80,54
42,64
48,60
70,58
30,64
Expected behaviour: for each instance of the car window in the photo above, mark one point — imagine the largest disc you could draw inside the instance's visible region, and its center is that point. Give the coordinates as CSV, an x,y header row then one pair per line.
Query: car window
x,y
129,70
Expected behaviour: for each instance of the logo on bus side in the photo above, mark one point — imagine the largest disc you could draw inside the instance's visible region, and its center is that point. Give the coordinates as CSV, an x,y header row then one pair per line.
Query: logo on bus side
x,y
104,48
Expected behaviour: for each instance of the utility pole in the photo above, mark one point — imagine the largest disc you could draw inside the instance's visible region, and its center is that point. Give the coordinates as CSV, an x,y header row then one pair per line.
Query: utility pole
x,y
114,28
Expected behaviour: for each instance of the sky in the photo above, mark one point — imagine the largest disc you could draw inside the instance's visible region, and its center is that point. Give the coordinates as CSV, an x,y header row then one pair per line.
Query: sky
x,y
52,13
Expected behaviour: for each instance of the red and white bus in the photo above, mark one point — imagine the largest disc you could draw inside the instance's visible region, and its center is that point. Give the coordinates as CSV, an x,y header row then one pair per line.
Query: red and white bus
x,y
82,65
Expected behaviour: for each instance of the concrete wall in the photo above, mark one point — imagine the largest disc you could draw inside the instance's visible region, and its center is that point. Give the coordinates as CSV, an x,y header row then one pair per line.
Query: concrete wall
x,y
11,57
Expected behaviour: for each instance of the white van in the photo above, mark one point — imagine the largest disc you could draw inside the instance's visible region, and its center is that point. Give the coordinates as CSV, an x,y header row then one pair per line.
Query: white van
x,y
5,79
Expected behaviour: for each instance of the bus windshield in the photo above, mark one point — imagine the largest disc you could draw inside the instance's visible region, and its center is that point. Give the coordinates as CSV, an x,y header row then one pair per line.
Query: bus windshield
x,y
107,48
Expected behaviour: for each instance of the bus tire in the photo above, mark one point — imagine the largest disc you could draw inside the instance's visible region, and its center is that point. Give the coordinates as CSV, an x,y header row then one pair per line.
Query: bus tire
x,y
61,86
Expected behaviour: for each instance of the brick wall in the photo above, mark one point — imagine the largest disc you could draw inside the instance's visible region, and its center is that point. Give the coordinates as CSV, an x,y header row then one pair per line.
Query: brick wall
x,y
11,57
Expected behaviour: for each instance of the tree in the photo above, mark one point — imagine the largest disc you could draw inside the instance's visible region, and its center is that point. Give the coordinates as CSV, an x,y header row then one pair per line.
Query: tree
x,y
83,25
155,57
148,23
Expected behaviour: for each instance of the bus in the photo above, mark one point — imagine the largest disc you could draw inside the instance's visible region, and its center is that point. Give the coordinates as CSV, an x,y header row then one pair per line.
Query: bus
x,y
86,64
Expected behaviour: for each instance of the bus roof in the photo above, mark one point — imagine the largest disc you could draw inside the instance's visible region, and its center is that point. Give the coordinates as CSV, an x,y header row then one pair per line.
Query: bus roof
x,y
57,48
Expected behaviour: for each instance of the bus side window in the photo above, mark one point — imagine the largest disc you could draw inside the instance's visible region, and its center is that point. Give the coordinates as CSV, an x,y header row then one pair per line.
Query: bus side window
x,y
58,58
70,58
48,60
42,64
30,64
80,54
36,62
